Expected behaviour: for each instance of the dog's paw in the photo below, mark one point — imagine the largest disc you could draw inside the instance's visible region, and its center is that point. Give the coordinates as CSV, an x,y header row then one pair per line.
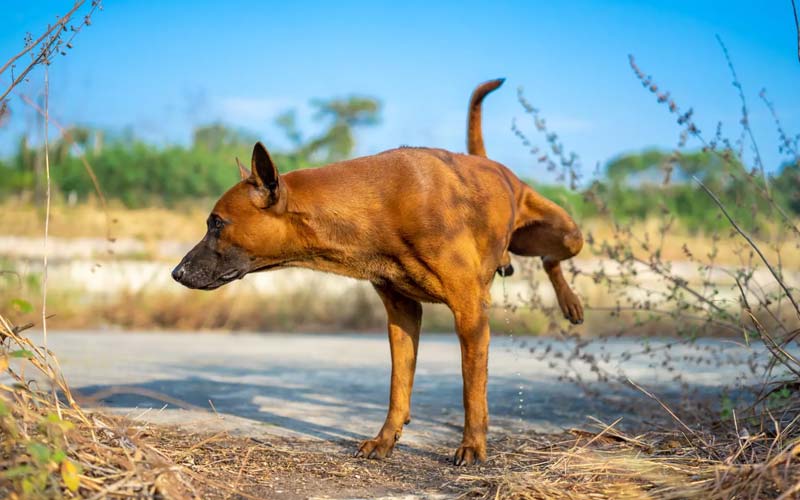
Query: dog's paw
x,y
469,455
376,448
570,305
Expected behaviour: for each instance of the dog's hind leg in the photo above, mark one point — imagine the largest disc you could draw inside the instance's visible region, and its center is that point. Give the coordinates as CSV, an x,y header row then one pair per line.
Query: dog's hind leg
x,y
546,230
404,317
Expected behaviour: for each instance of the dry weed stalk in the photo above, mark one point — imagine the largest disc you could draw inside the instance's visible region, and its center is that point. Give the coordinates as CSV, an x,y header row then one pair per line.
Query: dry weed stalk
x,y
48,451
796,27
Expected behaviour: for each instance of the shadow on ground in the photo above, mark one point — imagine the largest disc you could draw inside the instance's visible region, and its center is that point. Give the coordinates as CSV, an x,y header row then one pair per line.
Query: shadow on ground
x,y
332,407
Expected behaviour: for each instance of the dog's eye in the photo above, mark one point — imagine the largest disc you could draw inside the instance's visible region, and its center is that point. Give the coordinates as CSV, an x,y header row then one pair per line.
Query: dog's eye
x,y
215,224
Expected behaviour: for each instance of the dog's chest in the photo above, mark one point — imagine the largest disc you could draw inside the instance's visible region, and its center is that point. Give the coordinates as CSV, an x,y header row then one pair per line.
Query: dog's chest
x,y
383,270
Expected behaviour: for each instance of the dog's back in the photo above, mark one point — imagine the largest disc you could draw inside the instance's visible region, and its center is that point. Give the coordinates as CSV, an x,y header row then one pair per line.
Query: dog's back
x,y
411,214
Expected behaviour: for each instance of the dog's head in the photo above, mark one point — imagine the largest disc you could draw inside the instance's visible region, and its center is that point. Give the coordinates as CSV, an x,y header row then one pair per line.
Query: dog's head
x,y
246,230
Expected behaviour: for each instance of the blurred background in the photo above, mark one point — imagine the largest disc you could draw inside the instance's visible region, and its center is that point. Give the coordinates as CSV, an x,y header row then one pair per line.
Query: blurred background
x,y
151,103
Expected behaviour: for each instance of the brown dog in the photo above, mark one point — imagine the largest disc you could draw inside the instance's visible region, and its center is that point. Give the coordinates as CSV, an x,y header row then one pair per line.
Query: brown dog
x,y
422,225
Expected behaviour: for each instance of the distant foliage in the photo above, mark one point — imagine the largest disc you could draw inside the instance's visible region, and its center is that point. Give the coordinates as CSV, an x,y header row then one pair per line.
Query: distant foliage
x,y
639,186
634,181
140,174
132,171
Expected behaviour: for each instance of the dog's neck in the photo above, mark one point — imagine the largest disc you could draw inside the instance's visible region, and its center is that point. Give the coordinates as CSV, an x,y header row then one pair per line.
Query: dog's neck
x,y
326,238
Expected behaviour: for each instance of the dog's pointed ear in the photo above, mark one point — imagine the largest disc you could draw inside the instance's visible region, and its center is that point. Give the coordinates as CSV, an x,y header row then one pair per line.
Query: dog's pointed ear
x,y
264,172
264,176
244,174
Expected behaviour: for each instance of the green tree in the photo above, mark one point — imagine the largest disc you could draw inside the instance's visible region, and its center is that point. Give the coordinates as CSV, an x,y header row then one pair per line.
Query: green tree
x,y
639,184
337,141
217,138
787,185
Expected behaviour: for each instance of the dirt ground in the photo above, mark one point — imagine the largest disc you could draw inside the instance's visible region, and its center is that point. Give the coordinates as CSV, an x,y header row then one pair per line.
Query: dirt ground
x,y
295,468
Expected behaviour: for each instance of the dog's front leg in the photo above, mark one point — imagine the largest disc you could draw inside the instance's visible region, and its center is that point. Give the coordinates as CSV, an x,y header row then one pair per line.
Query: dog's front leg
x,y
404,317
472,324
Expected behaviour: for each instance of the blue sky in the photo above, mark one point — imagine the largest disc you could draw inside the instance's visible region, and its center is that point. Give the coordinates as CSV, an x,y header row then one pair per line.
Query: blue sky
x,y
160,68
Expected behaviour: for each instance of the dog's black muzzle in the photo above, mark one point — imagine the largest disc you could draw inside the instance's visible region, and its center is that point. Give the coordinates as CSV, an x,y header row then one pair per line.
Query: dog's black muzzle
x,y
205,268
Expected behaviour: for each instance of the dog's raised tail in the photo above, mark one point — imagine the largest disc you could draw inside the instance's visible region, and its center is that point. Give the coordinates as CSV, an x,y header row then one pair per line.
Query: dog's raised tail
x,y
474,133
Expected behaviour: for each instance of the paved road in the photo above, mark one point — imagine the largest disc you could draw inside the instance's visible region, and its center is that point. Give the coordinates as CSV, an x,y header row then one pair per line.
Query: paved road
x,y
330,386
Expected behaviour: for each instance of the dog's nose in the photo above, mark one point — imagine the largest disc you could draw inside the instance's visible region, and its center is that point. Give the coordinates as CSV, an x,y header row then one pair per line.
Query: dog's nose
x,y
177,273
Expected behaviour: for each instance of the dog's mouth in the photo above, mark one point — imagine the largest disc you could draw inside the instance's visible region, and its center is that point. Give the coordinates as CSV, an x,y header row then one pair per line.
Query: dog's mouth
x,y
235,274
224,279
231,275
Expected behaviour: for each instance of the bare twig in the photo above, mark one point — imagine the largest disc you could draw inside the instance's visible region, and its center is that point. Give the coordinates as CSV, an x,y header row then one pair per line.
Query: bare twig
x,y
797,28
745,120
49,42
787,144
752,245
779,354
60,24
671,413
685,119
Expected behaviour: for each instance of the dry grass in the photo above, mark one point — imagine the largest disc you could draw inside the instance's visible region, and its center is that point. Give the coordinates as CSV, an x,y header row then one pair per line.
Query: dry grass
x,y
88,220
51,448
602,463
610,464
730,250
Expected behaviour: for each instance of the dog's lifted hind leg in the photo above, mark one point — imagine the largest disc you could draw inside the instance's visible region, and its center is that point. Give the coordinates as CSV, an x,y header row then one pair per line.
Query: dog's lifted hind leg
x,y
404,317
546,230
